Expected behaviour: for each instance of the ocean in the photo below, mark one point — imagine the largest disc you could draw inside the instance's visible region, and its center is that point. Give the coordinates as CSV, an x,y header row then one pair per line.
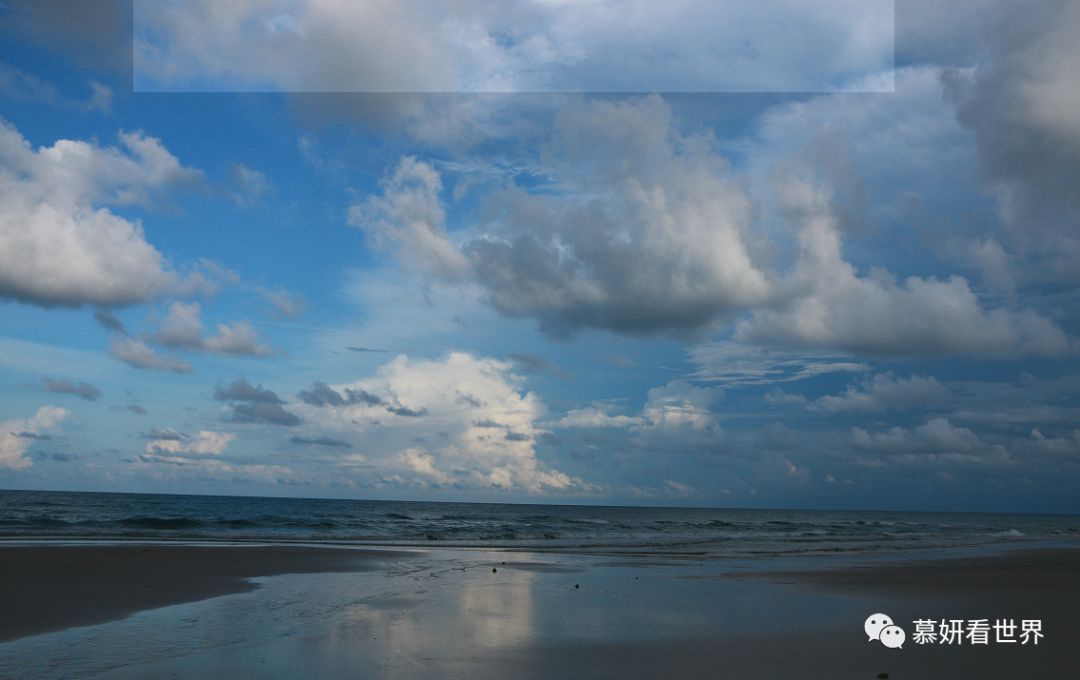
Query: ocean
x,y
46,516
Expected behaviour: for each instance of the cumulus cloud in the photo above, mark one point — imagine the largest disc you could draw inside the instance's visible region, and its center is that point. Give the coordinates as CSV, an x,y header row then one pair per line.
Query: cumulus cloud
x,y
462,407
642,230
1068,443
201,456
680,404
597,416
182,328
1022,105
886,392
936,440
830,305
205,442
60,244
82,390
16,436
673,406
255,404
138,354
409,215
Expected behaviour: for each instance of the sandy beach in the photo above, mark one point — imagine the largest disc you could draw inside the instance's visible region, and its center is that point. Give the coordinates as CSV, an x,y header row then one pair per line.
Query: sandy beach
x,y
54,588
161,611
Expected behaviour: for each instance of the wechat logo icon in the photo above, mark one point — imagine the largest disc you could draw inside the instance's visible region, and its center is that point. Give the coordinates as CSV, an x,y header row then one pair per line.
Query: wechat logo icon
x,y
880,627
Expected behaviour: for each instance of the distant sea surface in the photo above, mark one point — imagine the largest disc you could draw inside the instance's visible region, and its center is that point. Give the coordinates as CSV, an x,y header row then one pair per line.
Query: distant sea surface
x,y
38,516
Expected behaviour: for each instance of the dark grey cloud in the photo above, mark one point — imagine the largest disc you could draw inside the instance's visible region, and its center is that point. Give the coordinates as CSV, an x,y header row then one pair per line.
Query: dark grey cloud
x,y
517,437
373,350
399,409
82,390
322,394
533,363
165,433
1020,104
62,457
261,412
110,321
32,435
321,441
255,404
241,390
136,408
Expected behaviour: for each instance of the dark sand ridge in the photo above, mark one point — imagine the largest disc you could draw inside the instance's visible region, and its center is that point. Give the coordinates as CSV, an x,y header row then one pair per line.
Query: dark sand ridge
x,y
50,588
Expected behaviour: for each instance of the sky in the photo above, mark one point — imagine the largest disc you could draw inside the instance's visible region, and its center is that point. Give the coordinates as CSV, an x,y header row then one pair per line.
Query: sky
x,y
758,254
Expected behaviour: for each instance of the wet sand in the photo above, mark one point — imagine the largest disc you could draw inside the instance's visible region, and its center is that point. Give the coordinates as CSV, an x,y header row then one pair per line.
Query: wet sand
x,y
489,615
51,588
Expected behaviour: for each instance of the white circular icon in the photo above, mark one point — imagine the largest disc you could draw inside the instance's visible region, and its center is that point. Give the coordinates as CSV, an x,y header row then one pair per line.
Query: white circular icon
x,y
893,637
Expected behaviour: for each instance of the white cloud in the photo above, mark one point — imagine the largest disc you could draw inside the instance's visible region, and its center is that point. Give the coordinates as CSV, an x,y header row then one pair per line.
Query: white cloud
x,y
459,421
59,243
409,214
17,435
673,406
679,404
598,417
206,442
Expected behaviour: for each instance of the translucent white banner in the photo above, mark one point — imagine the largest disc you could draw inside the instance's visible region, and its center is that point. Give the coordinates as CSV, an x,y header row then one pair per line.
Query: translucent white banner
x,y
513,45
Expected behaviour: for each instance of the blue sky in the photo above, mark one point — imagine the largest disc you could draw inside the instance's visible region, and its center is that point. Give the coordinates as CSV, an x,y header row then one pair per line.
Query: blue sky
x,y
230,268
